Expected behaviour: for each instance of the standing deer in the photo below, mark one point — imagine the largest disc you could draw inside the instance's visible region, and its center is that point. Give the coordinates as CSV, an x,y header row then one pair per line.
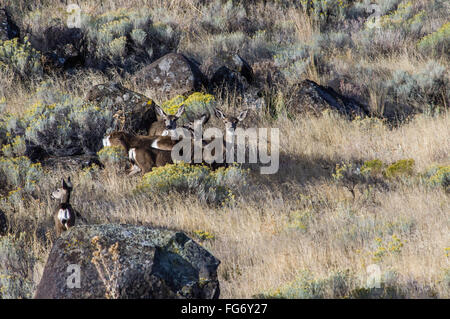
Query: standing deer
x,y
65,215
168,123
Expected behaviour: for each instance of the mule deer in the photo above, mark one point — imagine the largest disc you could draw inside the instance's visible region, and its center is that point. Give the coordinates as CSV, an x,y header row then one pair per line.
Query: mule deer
x,y
209,144
168,123
231,123
65,214
144,152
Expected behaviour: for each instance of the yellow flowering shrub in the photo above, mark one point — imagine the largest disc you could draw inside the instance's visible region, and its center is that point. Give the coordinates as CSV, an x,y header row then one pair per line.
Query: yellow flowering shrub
x,y
112,155
400,168
195,104
214,187
20,58
438,175
204,235
438,41
18,177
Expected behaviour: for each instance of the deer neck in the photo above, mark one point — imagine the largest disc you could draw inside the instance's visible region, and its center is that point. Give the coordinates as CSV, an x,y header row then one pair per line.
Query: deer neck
x,y
229,135
65,198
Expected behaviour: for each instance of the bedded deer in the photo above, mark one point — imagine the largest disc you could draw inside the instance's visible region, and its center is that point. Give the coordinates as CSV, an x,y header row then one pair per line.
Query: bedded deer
x,y
145,152
65,215
168,123
209,144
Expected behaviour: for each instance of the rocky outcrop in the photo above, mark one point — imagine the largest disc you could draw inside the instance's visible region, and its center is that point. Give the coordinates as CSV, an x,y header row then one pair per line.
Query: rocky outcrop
x,y
146,263
171,75
233,73
310,97
134,112
62,47
8,29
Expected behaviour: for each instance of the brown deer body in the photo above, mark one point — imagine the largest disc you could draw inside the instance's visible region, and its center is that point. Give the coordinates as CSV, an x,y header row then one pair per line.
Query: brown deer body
x,y
64,216
145,152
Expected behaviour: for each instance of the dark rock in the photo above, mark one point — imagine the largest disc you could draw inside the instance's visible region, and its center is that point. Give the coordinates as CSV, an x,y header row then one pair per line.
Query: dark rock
x,y
152,263
8,28
171,75
74,162
62,47
231,70
134,112
232,81
310,97
3,223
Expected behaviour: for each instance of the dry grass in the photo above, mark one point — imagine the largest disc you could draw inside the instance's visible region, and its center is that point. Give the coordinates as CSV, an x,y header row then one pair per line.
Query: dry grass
x,y
259,252
259,248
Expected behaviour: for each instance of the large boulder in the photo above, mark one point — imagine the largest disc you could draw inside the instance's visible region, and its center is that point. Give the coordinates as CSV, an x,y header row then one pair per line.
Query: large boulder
x,y
146,263
232,72
310,97
134,112
171,75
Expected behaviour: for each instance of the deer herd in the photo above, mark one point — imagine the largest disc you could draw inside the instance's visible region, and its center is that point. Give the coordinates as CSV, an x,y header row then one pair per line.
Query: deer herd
x,y
146,152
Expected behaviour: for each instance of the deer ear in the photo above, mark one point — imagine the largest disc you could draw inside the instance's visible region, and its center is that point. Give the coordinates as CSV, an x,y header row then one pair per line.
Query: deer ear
x,y
242,115
69,183
219,113
64,185
205,118
180,112
160,111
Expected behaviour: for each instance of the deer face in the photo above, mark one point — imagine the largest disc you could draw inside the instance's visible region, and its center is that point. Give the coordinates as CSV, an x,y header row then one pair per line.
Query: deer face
x,y
170,121
63,193
231,122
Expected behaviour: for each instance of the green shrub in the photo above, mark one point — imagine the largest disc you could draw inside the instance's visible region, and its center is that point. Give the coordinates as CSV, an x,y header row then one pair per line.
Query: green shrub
x,y
438,175
213,187
16,268
325,12
306,286
372,168
300,219
113,155
61,124
437,42
16,148
19,173
401,168
20,58
126,38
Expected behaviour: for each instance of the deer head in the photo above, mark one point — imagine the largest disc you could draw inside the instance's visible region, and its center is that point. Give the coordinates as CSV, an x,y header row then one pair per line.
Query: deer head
x,y
63,193
231,122
170,121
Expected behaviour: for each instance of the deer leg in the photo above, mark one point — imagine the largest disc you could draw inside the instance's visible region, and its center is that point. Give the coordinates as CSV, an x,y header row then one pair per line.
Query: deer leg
x,y
134,170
